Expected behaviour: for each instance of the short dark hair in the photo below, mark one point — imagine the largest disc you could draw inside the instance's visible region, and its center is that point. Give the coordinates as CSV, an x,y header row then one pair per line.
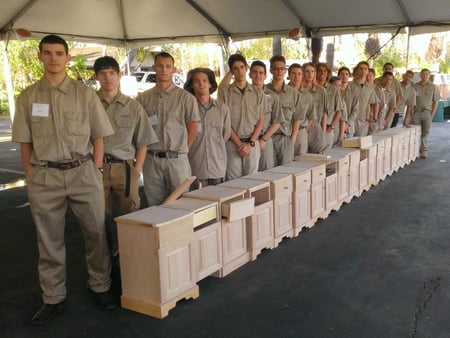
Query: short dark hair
x,y
276,58
106,62
388,64
260,64
294,65
54,39
388,74
236,57
333,79
344,68
164,55
208,72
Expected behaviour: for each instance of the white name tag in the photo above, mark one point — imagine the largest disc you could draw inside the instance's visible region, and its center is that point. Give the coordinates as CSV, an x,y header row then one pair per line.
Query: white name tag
x,y
199,127
40,109
153,120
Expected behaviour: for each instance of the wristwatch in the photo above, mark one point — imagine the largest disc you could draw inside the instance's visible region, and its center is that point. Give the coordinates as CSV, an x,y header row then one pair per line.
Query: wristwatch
x,y
252,143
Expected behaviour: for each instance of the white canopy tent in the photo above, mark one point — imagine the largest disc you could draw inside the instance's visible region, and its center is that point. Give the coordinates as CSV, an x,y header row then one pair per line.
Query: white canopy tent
x,y
146,22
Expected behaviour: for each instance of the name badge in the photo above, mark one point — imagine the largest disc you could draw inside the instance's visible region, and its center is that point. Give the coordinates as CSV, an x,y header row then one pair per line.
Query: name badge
x,y
153,120
40,109
200,127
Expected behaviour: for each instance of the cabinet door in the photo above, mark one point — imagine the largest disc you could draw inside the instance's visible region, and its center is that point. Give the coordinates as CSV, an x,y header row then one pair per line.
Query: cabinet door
x,y
363,174
234,240
331,192
261,226
317,199
354,180
208,250
283,215
343,184
302,208
176,270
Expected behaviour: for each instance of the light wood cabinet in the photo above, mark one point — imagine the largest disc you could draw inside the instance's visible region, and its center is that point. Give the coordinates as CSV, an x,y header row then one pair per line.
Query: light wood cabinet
x,y
281,195
260,225
156,259
207,236
234,208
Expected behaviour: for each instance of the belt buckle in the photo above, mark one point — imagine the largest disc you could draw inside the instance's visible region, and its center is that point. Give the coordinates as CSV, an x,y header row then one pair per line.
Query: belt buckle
x,y
65,166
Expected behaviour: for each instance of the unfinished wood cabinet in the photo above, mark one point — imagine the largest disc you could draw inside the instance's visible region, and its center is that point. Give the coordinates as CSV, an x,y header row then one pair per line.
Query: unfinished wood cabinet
x,y
156,259
367,165
233,208
260,225
281,195
207,236
380,157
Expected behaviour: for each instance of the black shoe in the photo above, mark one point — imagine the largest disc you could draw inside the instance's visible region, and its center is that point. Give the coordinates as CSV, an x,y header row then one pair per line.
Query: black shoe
x,y
104,300
46,312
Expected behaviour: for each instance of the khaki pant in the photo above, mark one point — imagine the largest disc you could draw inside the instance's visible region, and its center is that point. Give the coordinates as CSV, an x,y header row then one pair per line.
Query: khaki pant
x,y
163,175
283,149
361,128
316,138
266,160
50,192
422,119
238,166
121,196
301,142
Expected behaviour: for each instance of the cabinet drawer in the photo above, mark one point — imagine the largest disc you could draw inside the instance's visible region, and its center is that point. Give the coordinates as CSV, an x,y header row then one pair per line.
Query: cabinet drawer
x,y
238,209
303,181
282,187
318,174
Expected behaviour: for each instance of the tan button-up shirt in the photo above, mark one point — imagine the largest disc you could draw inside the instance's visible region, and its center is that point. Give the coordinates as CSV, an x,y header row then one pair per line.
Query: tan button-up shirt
x,y
208,155
59,122
425,96
366,95
245,109
131,127
168,111
320,102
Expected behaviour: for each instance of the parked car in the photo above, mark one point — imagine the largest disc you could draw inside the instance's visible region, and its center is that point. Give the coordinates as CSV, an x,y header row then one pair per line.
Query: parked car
x,y
147,80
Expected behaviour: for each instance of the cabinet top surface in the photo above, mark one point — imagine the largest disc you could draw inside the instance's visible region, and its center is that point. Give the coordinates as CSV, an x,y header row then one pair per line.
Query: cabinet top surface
x,y
244,183
267,176
154,216
190,204
215,193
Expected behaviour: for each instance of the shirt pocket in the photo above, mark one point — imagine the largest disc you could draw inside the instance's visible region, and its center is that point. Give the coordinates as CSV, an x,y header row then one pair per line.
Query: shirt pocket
x,y
42,126
76,123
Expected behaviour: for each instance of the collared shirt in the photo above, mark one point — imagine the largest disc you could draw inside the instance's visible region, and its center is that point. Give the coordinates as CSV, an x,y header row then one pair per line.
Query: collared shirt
x,y
320,102
425,96
290,105
386,98
131,127
60,122
366,95
245,108
274,114
408,97
351,102
395,86
334,103
208,155
307,105
169,111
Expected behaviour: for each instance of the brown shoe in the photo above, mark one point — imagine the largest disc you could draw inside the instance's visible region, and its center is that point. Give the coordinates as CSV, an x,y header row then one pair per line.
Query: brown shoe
x,y
46,312
423,154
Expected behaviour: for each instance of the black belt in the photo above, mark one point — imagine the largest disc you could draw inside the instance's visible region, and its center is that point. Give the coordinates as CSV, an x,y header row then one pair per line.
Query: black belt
x,y
163,154
245,139
112,160
69,165
281,134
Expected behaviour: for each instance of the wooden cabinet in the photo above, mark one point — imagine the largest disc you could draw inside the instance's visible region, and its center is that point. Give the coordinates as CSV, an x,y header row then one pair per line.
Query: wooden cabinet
x,y
367,168
260,225
281,195
207,236
156,259
234,208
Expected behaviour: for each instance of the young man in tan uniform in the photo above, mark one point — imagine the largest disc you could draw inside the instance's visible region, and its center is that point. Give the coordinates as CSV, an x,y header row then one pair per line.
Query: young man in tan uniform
x,y
367,99
336,117
208,155
387,104
407,101
427,97
273,115
60,124
286,136
350,98
295,73
125,150
174,115
246,104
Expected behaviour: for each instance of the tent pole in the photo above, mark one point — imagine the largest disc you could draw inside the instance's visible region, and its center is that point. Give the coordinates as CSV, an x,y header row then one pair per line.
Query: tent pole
x,y
407,46
8,80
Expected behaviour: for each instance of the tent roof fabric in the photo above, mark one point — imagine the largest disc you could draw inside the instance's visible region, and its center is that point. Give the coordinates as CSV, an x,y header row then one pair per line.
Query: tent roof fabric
x,y
137,22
